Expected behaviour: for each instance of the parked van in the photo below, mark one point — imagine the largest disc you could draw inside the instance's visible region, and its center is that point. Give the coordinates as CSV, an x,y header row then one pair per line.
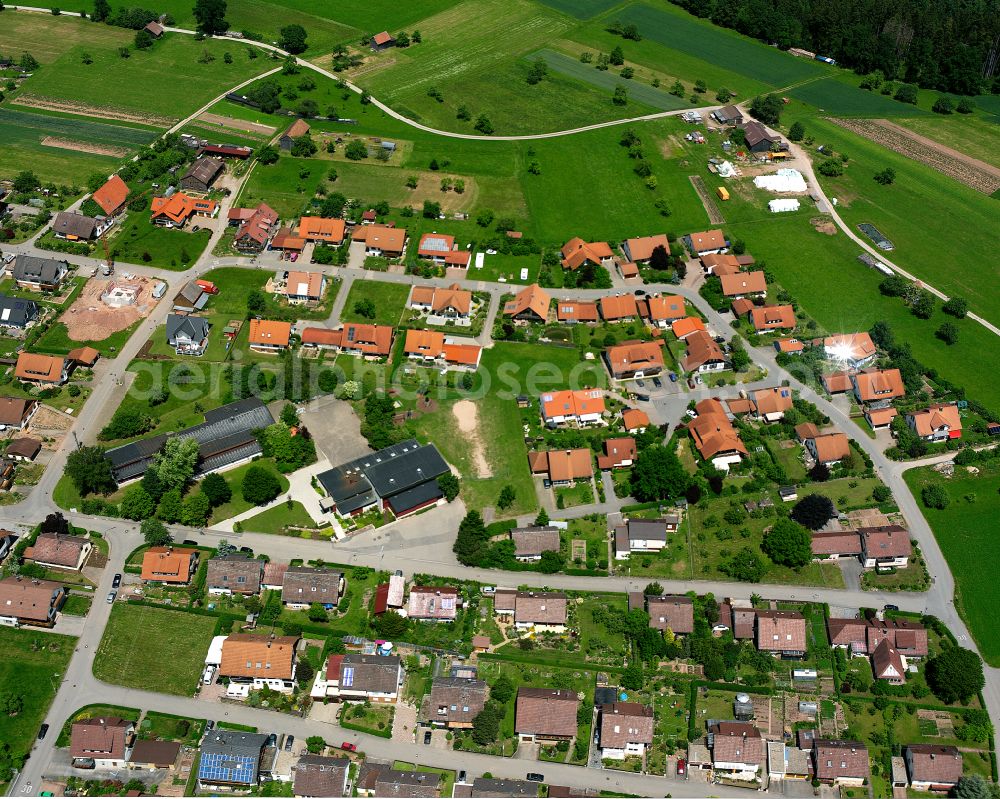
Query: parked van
x,y
209,675
159,290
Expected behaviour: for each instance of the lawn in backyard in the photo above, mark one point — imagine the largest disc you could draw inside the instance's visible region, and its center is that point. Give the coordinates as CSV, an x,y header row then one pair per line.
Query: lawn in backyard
x,y
168,662
164,727
157,86
581,493
137,240
389,299
234,477
32,667
814,267
77,605
277,518
287,186
920,213
965,531
506,370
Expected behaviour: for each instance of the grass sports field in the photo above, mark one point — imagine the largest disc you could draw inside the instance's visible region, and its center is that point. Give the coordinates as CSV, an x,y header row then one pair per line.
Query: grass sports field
x,y
168,662
32,668
966,532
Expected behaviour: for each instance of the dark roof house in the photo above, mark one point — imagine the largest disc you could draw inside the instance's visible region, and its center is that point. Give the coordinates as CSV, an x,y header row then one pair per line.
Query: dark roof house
x,y
234,573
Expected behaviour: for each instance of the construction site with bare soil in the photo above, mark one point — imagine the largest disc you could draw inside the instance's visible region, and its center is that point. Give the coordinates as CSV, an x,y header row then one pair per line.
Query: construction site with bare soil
x,y
108,306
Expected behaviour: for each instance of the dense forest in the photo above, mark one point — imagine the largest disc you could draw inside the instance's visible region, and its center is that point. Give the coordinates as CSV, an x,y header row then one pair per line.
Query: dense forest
x,y
948,45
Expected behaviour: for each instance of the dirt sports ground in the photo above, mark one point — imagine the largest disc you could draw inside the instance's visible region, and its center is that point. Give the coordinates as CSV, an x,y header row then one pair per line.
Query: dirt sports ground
x,y
963,168
89,318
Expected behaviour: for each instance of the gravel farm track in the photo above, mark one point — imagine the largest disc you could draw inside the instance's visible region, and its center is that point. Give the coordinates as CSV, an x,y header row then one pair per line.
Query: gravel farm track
x,y
972,172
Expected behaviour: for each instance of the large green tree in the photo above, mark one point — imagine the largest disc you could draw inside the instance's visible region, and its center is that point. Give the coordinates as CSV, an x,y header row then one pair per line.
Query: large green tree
x,y
90,471
260,485
154,532
293,39
788,544
955,675
175,463
137,504
813,511
211,16
472,540
658,475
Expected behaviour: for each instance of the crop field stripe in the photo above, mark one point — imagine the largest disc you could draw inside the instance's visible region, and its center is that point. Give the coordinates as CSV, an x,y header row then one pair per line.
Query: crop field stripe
x,y
837,98
641,92
78,129
732,51
581,9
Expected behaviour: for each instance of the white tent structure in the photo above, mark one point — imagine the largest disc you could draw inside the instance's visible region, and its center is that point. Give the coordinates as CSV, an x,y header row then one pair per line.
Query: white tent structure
x,y
781,206
784,180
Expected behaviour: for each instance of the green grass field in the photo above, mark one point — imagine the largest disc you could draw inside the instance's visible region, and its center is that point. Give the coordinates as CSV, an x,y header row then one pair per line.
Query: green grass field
x,y
156,86
461,43
32,668
23,133
640,92
920,213
974,135
168,662
965,531
167,248
389,299
581,9
627,205
814,267
33,33
287,186
832,95
675,29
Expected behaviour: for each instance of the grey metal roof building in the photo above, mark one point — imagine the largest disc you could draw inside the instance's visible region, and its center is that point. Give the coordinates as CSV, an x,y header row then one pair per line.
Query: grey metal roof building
x,y
191,298
16,312
227,436
402,477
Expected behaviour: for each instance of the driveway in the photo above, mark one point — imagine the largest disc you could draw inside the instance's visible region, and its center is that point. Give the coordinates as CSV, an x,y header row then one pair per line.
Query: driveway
x,y
356,255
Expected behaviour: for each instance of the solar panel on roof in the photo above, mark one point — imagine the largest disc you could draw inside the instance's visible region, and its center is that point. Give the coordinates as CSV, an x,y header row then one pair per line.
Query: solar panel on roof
x,y
347,676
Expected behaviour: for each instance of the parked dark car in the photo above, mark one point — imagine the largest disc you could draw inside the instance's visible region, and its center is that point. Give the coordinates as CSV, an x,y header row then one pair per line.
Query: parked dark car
x,y
534,776
673,377
289,740
42,731
247,550
427,737
657,382
117,581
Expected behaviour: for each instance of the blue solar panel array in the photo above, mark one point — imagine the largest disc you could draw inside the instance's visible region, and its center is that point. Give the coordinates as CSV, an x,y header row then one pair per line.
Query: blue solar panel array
x,y
215,767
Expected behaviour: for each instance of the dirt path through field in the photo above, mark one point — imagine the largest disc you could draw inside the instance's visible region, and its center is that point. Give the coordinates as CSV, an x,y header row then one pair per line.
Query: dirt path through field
x,y
714,214
964,168
467,415
84,147
237,124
